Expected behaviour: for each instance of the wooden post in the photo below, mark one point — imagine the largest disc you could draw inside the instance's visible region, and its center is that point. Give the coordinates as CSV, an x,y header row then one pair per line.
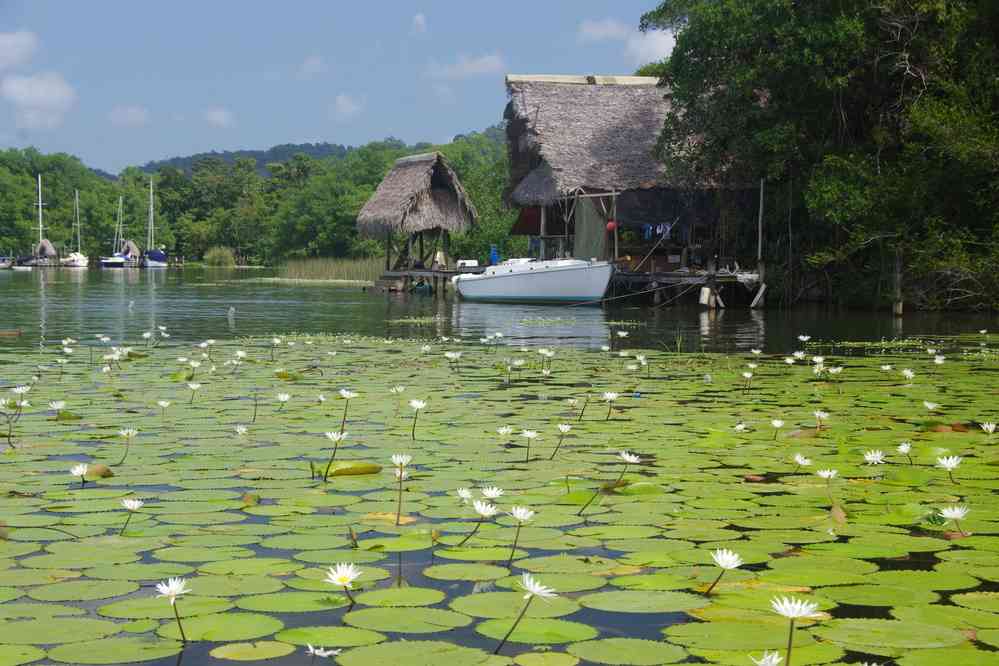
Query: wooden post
x,y
759,237
898,307
388,250
614,215
542,231
421,246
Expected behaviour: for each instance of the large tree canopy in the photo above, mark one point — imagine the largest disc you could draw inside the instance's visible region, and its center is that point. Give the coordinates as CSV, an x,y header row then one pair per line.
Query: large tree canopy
x,y
874,123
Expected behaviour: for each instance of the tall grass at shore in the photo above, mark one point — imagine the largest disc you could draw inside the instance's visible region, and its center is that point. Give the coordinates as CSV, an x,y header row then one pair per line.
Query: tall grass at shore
x,y
333,268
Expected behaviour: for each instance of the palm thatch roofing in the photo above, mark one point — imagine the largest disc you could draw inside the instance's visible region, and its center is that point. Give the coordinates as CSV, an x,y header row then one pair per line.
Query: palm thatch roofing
x,y
420,193
45,249
582,133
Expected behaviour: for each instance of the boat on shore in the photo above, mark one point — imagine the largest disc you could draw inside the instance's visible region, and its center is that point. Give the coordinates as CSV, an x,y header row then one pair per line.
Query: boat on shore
x,y
532,281
76,259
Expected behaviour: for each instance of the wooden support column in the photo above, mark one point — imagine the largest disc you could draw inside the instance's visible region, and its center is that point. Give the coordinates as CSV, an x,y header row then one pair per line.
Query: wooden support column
x,y
388,250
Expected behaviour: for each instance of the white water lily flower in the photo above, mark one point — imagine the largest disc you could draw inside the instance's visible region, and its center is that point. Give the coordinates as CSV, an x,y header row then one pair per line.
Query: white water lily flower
x,y
504,431
347,394
798,355
128,433
874,457
835,369
464,494
401,474
534,588
622,334
930,406
789,360
792,608
79,470
939,359
20,390
163,404
818,360
904,448
320,652
827,474
768,659
283,397
492,492
57,405
908,374
194,386
343,575
336,437
752,366
564,428
777,423
747,375
949,463
740,427
172,589
886,368
604,348
726,559
485,509
804,338
629,457
802,460
610,396
132,504
529,434
755,352
396,390
820,415
521,514
956,512
401,459
988,427
241,430
194,364
417,405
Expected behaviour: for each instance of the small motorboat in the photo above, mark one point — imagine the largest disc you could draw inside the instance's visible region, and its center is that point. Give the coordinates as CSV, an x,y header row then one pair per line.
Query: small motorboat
x,y
531,281
6,262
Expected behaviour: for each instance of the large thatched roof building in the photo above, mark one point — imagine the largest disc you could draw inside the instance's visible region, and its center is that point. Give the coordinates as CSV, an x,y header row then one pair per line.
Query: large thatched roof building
x,y
420,193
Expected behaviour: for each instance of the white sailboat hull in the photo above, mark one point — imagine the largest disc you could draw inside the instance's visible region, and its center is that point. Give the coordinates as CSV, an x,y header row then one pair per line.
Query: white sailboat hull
x,y
526,281
75,260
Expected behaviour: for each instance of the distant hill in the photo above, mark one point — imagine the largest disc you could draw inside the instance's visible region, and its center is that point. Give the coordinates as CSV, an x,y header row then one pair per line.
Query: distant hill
x,y
286,151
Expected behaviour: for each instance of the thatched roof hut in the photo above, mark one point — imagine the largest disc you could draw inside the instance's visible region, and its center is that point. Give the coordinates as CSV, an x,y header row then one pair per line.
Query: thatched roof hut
x,y
568,134
45,249
420,193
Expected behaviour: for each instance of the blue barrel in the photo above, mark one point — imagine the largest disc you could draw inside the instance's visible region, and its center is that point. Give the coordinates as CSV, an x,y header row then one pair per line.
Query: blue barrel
x,y
494,257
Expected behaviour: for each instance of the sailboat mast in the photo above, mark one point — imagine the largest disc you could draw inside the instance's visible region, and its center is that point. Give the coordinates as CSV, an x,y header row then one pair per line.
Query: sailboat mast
x,y
119,231
76,206
151,234
39,208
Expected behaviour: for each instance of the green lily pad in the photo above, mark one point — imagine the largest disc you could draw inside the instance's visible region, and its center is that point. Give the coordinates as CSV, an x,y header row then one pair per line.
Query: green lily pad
x,y
537,631
509,604
875,635
82,590
223,627
155,607
55,630
626,601
116,650
15,655
406,620
329,636
627,651
402,596
292,602
418,653
474,572
258,651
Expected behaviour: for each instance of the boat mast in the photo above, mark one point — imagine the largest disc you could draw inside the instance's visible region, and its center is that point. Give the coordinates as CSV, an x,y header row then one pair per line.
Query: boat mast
x,y
40,204
150,234
76,204
119,231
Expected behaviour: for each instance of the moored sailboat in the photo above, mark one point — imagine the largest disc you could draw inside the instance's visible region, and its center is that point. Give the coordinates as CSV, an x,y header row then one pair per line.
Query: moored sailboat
x,y
76,259
124,252
154,257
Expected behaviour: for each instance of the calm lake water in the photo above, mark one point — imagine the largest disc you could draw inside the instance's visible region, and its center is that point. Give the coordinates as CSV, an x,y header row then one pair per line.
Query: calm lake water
x,y
194,304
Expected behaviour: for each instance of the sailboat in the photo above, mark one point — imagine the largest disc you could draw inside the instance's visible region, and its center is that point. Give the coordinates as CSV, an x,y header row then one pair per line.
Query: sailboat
x,y
45,253
76,259
154,257
124,253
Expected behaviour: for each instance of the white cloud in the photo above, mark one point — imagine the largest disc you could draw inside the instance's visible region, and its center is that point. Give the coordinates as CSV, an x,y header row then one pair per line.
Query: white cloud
x,y
466,67
419,24
16,48
652,46
130,115
218,116
640,48
347,106
311,66
601,30
40,100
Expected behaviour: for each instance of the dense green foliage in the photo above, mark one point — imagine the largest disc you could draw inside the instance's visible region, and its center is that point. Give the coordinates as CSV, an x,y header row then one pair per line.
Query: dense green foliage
x,y
306,207
281,153
874,125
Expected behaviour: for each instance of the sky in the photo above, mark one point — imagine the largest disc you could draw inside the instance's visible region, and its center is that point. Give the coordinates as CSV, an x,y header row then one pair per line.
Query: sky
x,y
122,83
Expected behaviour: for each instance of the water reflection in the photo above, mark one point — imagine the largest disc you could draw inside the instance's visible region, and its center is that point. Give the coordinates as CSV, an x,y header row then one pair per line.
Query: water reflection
x,y
196,304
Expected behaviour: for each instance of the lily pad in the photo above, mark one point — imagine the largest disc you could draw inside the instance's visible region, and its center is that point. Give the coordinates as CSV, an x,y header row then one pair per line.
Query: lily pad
x,y
627,651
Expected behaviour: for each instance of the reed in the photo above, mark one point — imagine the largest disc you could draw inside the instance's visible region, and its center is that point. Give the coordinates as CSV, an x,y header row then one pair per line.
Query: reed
x,y
333,268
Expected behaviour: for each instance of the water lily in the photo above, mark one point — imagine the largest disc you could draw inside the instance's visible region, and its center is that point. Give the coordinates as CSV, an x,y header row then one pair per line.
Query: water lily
x,y
529,436
793,609
129,434
740,427
609,397
905,448
908,374
417,406
949,463
283,399
130,505
827,474
172,589
522,515
57,405
989,428
492,492
930,406
163,404
464,494
194,386
485,511
532,588
563,430
400,460
820,416
748,376
886,368
768,659
777,424
628,459
322,653
804,338
726,559
955,513
801,461
875,457
346,395
343,575
80,471
336,438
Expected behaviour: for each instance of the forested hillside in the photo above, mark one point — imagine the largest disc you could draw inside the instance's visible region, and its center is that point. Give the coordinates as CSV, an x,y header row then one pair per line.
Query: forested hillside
x,y
281,153
305,207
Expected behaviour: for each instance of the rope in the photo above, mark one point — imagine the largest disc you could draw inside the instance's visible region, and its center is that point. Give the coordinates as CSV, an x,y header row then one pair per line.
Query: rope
x,y
614,298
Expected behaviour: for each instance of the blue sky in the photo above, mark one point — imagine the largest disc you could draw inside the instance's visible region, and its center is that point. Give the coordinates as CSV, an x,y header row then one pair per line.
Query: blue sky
x,y
120,83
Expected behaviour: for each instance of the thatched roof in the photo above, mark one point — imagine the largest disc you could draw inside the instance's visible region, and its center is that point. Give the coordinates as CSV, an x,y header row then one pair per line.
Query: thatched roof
x,y
571,133
45,249
421,192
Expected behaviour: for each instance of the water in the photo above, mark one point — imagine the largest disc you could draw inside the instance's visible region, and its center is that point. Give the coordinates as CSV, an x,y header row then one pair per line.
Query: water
x,y
48,305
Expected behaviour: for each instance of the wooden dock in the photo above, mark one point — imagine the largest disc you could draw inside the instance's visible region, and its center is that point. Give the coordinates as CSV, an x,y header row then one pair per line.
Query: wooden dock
x,y
437,281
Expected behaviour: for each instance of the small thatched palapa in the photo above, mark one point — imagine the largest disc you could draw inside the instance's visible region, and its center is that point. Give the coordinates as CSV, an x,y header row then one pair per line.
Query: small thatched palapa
x,y
420,193
568,134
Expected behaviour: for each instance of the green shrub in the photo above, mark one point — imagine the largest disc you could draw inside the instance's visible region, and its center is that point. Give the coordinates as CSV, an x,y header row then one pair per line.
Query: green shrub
x,y
220,256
